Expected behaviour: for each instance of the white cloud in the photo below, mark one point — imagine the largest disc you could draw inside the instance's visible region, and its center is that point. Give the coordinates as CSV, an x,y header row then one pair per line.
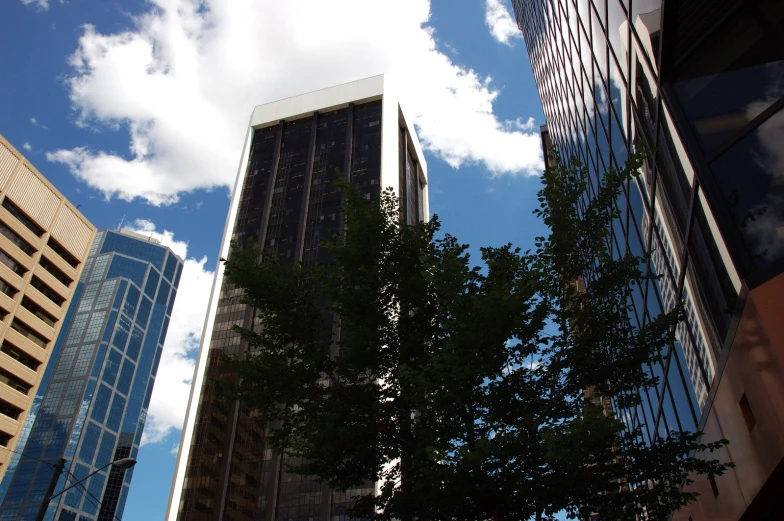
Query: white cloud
x,y
41,5
35,123
183,83
175,372
502,25
27,146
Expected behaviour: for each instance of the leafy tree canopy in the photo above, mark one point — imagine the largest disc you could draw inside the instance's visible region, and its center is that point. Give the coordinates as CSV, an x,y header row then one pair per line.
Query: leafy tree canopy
x,y
469,393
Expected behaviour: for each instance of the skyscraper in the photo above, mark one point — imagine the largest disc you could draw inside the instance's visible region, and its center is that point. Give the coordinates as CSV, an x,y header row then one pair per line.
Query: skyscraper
x,y
43,245
285,199
701,85
92,404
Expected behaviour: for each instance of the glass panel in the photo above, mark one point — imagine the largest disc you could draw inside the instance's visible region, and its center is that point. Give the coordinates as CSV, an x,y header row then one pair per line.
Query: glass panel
x,y
751,179
618,34
640,7
684,395
709,274
734,74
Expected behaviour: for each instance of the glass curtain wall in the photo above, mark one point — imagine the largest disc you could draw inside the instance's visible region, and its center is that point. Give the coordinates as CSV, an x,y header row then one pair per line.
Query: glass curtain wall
x,y
596,65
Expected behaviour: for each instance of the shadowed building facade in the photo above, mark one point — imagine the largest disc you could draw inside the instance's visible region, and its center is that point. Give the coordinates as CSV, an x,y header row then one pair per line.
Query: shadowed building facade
x,y
701,84
44,242
286,200
92,403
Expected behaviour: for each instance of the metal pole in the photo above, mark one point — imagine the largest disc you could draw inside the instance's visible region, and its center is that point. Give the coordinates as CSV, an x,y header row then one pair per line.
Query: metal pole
x,y
58,470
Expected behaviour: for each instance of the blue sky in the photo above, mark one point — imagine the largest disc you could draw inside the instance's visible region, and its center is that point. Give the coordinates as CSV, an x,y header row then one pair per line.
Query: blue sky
x,y
136,110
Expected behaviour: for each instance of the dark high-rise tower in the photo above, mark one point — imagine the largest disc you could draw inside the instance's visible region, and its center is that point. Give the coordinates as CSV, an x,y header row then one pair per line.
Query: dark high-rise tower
x,y
285,199
701,84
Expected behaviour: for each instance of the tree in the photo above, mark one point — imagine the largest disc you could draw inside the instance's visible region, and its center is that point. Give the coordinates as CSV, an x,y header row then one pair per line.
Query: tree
x,y
468,392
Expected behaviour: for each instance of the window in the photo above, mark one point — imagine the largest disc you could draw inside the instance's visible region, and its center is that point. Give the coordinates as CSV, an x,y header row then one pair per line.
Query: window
x,y
55,271
106,295
112,367
144,312
39,312
62,252
88,298
47,291
99,267
77,328
13,382
101,403
752,199
27,332
128,268
88,264
10,410
22,218
152,283
7,289
19,355
148,251
116,413
96,243
119,296
134,343
12,264
93,331
83,361
64,363
171,267
90,442
172,296
131,301
106,450
16,239
126,375
71,398
121,333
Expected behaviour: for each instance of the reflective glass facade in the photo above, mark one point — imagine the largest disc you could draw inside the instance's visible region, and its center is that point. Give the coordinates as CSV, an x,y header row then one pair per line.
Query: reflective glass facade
x,y
289,203
700,84
92,404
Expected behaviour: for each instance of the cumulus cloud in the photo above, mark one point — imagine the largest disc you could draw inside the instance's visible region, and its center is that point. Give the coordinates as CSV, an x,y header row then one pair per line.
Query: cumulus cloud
x,y
184,80
502,25
27,146
41,5
175,372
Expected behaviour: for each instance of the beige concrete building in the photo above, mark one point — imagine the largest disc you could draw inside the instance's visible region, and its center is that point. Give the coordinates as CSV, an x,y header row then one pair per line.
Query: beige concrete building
x,y
44,241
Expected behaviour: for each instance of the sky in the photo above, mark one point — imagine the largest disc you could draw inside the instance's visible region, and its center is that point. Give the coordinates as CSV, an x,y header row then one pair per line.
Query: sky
x,y
136,110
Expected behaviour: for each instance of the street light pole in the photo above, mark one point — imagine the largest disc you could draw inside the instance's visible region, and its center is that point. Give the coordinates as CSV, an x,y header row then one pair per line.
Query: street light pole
x,y
123,464
58,470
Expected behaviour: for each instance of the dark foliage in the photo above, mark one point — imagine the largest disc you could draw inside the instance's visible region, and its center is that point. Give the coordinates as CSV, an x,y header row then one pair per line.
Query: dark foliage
x,y
469,393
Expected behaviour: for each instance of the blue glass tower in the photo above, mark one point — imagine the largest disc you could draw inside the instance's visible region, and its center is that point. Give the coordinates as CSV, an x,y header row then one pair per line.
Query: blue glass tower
x,y
92,402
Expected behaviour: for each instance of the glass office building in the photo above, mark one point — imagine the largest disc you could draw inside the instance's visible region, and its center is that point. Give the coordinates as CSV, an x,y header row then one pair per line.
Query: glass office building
x,y
92,403
700,84
285,198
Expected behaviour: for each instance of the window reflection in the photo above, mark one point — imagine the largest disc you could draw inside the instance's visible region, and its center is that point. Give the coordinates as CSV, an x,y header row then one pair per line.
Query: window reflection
x,y
735,74
641,7
751,179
